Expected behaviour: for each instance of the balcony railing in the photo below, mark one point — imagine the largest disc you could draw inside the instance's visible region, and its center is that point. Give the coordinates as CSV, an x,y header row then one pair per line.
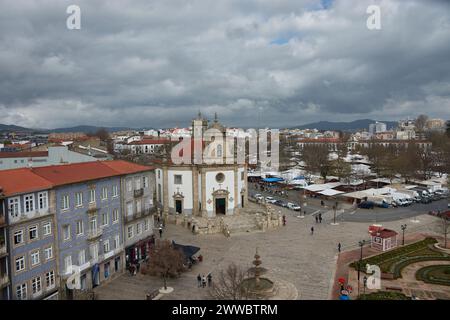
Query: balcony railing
x,y
94,234
140,214
92,210
138,193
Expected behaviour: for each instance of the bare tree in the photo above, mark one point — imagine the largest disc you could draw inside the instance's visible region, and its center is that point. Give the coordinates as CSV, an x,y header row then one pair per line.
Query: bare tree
x,y
316,159
228,284
421,121
165,261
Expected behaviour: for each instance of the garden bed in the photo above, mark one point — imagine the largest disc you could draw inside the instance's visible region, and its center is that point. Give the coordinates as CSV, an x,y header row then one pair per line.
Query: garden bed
x,y
437,274
384,295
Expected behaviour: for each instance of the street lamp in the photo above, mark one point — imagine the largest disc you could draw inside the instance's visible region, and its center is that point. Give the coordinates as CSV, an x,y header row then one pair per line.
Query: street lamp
x,y
403,226
365,285
361,244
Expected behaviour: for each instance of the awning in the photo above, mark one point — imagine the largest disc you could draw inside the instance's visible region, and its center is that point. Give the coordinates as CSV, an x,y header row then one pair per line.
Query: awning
x,y
330,192
273,179
299,178
188,251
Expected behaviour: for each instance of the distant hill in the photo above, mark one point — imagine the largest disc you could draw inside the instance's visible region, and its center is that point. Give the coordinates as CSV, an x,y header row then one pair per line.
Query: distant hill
x,y
88,129
7,127
85,129
345,126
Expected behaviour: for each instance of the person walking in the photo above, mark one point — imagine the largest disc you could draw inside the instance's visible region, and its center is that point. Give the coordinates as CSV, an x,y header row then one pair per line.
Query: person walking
x,y
284,220
209,280
339,247
312,230
317,219
320,218
199,280
160,232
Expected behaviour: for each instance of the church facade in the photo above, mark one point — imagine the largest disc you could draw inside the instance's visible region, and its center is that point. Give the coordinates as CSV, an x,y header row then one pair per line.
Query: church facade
x,y
208,189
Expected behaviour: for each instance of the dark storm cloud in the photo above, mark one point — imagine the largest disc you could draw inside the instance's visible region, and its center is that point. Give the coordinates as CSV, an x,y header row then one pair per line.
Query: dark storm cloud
x,y
259,62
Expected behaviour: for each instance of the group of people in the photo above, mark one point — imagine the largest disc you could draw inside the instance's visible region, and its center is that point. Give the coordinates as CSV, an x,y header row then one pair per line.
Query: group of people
x,y
133,268
318,218
202,280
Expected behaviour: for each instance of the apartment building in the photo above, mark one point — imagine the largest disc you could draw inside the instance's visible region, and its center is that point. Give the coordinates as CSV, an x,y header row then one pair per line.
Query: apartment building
x,y
137,201
66,219
4,268
29,251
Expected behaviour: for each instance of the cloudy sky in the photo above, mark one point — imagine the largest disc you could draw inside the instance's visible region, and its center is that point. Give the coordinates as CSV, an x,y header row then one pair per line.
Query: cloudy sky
x,y
155,63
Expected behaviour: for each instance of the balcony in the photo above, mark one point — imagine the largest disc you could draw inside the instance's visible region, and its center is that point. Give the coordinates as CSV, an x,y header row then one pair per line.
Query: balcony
x,y
2,220
4,280
92,210
3,250
138,193
94,234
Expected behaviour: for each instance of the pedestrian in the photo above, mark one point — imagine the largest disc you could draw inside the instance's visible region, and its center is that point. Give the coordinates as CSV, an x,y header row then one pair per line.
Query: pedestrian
x,y
204,281
320,218
317,219
312,230
160,232
209,279
199,280
284,220
339,247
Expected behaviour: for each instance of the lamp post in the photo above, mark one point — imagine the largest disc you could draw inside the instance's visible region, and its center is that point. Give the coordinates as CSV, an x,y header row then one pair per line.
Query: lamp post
x,y
361,244
365,285
403,226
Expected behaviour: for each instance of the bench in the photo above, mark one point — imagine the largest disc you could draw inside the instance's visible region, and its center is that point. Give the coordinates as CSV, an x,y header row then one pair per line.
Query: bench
x,y
394,289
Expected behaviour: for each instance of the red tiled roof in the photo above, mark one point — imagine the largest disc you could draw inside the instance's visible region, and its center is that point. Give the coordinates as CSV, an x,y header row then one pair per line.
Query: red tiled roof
x,y
384,233
125,167
23,180
150,141
24,154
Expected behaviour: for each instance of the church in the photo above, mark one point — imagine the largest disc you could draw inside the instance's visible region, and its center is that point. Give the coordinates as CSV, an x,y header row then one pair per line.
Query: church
x,y
209,188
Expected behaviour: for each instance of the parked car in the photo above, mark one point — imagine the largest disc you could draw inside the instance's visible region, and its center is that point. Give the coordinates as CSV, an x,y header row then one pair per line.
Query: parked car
x,y
383,205
281,203
293,206
259,197
425,200
271,200
366,205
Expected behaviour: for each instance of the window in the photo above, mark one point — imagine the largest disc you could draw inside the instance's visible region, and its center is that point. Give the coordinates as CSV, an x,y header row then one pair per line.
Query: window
x,y
48,253
20,264
79,199
94,251
50,279
145,182
219,150
220,177
66,232
33,232
14,207
93,223
82,257
138,228
68,263
129,208
21,292
116,242
104,218
104,193
18,237
36,285
138,184
79,227
130,232
115,191
129,185
159,174
65,202
115,215
105,246
47,228
146,225
91,195
178,179
138,206
29,203
242,175
43,200
35,259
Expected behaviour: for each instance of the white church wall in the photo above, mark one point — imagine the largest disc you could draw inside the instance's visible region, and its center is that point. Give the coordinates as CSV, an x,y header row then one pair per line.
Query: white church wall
x,y
212,184
185,188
